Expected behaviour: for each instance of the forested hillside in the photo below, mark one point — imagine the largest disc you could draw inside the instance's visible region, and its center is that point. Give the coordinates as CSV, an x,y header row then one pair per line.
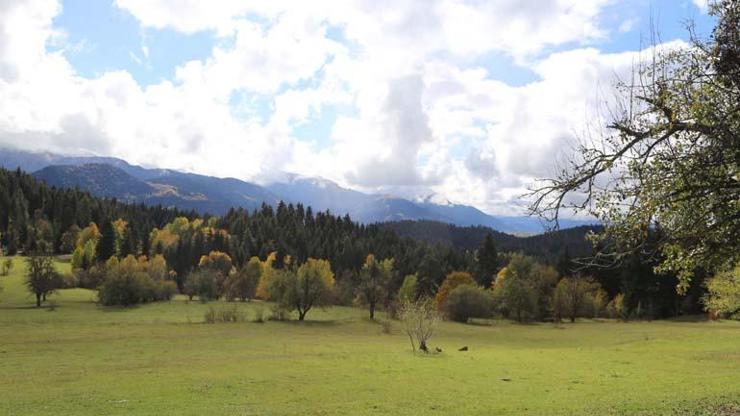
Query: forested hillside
x,y
549,245
38,218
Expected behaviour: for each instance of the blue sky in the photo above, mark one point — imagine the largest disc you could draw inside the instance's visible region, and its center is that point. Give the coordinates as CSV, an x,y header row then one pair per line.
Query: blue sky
x,y
471,100
110,38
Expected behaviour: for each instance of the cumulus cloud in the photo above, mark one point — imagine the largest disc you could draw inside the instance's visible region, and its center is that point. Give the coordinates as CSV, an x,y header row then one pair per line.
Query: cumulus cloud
x,y
405,128
425,115
703,5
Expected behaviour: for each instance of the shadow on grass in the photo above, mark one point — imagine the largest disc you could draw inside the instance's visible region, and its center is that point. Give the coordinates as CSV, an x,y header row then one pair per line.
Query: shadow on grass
x,y
30,307
116,308
481,322
690,319
326,323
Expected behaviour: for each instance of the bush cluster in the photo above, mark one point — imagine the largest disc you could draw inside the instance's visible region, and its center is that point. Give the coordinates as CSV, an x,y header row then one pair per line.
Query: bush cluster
x,y
468,301
131,281
224,314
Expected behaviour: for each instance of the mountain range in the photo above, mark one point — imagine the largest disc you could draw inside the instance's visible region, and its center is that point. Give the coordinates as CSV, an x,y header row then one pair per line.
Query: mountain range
x,y
116,178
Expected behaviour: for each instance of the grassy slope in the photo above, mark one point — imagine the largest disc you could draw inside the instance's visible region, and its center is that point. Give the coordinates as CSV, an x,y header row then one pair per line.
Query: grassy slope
x,y
159,359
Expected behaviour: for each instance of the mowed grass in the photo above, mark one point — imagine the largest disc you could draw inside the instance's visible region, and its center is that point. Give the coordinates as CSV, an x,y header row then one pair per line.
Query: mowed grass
x,y
79,358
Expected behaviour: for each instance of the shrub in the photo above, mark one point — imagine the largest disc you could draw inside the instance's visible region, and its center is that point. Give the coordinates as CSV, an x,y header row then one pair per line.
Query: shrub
x,y
279,313
574,297
386,325
130,281
468,301
409,288
616,308
452,281
241,284
599,301
224,314
125,289
419,319
69,280
6,267
90,278
202,283
259,315
166,289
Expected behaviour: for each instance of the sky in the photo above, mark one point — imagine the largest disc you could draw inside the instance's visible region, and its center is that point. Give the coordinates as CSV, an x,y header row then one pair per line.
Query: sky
x,y
468,100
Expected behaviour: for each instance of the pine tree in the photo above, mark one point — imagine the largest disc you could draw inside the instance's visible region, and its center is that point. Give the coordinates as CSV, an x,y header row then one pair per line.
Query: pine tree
x,y
107,244
487,261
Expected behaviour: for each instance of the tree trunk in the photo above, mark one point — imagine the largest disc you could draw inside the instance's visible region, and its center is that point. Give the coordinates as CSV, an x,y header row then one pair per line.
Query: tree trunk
x,y
372,311
38,300
301,315
573,314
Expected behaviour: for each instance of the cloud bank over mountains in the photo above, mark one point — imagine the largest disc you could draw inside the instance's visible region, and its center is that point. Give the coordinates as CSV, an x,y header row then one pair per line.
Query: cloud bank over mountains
x,y
468,99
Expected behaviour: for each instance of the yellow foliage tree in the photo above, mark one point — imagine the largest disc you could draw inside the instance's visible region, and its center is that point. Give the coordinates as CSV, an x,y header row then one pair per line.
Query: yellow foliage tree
x,y
267,276
452,281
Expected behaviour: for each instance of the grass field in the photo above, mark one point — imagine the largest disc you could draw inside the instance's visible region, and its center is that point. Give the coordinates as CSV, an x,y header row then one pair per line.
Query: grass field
x,y
79,358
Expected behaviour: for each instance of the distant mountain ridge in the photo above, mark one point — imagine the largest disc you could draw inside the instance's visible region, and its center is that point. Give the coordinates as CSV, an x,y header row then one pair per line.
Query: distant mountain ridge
x,y
185,191
116,178
545,245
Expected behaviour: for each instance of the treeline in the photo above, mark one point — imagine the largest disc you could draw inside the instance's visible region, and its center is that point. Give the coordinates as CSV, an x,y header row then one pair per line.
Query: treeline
x,y
32,212
67,221
548,246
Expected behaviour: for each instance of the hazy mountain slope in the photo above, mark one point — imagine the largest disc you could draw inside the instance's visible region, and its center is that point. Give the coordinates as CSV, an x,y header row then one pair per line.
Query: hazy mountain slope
x,y
99,179
182,190
216,195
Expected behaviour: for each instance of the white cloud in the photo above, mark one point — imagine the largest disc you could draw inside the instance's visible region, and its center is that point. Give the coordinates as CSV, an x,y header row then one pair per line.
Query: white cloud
x,y
424,118
703,5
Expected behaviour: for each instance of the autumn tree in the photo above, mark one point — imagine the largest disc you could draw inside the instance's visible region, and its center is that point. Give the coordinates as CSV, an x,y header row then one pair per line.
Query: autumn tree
x,y
131,280
513,295
374,278
515,290
451,281
723,293
41,278
573,295
543,280
69,239
83,257
268,274
305,288
203,283
220,264
218,261
409,289
241,284
667,168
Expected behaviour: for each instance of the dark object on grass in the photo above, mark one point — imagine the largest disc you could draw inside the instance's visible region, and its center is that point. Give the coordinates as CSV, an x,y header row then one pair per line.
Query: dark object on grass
x,y
505,379
438,349
423,346
465,348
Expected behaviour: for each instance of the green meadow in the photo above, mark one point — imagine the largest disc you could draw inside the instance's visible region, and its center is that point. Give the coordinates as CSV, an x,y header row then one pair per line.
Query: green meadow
x,y
74,357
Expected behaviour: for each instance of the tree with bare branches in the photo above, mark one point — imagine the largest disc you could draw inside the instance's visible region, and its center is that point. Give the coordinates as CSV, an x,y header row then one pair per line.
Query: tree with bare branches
x,y
665,180
419,319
